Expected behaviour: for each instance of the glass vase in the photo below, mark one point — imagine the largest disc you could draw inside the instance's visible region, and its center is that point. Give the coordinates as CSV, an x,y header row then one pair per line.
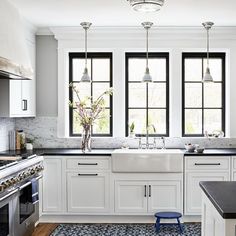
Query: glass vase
x,y
86,139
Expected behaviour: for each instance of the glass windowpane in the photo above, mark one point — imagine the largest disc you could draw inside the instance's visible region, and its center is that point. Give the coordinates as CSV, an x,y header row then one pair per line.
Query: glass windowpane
x,y
212,120
157,117
98,89
138,116
193,69
157,68
102,125
78,68
193,121
101,69
193,95
215,65
157,94
212,95
137,95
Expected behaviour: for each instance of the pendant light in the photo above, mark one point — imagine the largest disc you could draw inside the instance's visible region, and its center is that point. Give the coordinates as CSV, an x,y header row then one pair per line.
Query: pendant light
x,y
207,77
86,77
146,5
147,77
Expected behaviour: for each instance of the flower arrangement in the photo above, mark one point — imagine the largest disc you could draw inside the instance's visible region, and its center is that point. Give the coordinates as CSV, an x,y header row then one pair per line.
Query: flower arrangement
x,y
87,117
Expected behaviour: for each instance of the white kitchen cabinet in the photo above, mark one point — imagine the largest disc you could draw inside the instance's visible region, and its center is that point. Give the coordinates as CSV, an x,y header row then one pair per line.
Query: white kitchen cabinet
x,y
199,169
131,196
18,97
52,185
165,195
148,196
88,192
233,168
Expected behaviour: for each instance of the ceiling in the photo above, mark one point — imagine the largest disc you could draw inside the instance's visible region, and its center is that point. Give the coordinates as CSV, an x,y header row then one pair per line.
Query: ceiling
x,y
46,13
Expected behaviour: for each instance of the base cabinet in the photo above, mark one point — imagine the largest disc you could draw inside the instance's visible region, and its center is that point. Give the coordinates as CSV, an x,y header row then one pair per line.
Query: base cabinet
x,y
212,168
88,192
193,200
52,185
148,196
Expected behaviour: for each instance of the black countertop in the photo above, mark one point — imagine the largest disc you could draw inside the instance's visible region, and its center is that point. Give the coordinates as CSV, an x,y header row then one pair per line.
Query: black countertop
x,y
58,152
222,195
107,152
214,152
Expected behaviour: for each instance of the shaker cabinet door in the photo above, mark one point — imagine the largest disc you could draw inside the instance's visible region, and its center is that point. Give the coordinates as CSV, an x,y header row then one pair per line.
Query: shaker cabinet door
x,y
131,196
88,192
52,185
193,194
165,195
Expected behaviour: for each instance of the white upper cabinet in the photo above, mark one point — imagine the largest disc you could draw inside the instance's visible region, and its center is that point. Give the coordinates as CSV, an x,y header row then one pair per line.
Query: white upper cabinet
x,y
18,97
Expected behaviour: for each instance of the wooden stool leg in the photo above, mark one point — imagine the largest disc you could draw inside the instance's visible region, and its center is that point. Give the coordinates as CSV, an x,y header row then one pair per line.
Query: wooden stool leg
x,y
180,226
158,224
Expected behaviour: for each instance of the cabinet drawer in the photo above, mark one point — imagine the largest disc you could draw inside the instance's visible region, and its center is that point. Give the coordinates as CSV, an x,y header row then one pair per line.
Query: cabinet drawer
x,y
87,164
208,163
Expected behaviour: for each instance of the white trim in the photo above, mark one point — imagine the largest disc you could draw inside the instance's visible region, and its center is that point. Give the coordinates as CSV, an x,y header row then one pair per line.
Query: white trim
x,y
121,40
160,33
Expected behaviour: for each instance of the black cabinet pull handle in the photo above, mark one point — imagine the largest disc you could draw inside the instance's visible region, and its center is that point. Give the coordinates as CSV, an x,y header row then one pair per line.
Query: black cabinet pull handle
x,y
87,174
207,164
150,190
25,105
87,164
145,190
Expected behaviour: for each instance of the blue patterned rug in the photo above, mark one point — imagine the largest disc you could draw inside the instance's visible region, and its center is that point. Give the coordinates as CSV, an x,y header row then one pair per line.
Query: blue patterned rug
x,y
124,230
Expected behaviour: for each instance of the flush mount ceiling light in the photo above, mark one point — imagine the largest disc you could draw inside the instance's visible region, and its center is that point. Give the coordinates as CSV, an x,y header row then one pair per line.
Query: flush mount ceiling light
x,y
86,77
147,77
146,5
207,77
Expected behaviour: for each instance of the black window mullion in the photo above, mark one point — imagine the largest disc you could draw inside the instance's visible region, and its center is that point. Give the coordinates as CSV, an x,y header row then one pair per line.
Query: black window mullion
x,y
203,98
91,56
147,108
202,56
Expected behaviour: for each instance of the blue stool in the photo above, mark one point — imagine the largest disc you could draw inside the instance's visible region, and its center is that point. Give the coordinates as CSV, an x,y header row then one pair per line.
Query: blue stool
x,y
168,215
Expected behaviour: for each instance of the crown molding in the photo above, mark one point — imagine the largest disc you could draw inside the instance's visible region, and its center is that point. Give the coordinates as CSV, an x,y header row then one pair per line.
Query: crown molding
x,y
127,33
44,31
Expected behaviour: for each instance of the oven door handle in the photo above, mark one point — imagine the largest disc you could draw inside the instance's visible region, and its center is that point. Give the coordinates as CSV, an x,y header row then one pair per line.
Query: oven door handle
x,y
29,182
9,194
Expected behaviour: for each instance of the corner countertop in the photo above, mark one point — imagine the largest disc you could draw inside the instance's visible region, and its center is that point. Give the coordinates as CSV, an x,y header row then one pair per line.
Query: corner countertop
x,y
108,152
222,195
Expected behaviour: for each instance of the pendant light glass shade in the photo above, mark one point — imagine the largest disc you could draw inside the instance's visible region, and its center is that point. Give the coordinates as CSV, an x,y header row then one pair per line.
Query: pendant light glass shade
x,y
207,77
146,5
147,78
85,77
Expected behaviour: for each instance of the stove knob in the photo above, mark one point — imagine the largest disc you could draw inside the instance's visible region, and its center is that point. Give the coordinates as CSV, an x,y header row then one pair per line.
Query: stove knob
x,y
20,176
13,180
9,183
32,171
3,186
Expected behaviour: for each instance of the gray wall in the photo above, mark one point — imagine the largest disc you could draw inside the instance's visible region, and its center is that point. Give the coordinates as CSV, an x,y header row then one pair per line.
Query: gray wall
x,y
46,73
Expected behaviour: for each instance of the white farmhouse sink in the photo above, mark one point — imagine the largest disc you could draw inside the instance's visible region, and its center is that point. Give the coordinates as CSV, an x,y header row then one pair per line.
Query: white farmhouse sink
x,y
147,161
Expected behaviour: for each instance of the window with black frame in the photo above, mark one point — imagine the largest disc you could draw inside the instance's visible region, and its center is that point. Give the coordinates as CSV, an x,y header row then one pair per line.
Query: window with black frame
x,y
203,108
100,70
147,104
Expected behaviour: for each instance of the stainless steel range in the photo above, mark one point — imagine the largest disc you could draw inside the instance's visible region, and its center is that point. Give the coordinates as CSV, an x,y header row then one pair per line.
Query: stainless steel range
x,y
19,207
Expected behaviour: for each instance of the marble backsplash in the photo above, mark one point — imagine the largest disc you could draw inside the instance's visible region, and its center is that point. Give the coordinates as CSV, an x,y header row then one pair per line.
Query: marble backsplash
x,y
44,130
6,124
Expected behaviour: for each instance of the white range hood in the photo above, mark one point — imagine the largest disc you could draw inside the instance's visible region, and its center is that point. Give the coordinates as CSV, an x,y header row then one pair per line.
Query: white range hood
x,y
14,56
